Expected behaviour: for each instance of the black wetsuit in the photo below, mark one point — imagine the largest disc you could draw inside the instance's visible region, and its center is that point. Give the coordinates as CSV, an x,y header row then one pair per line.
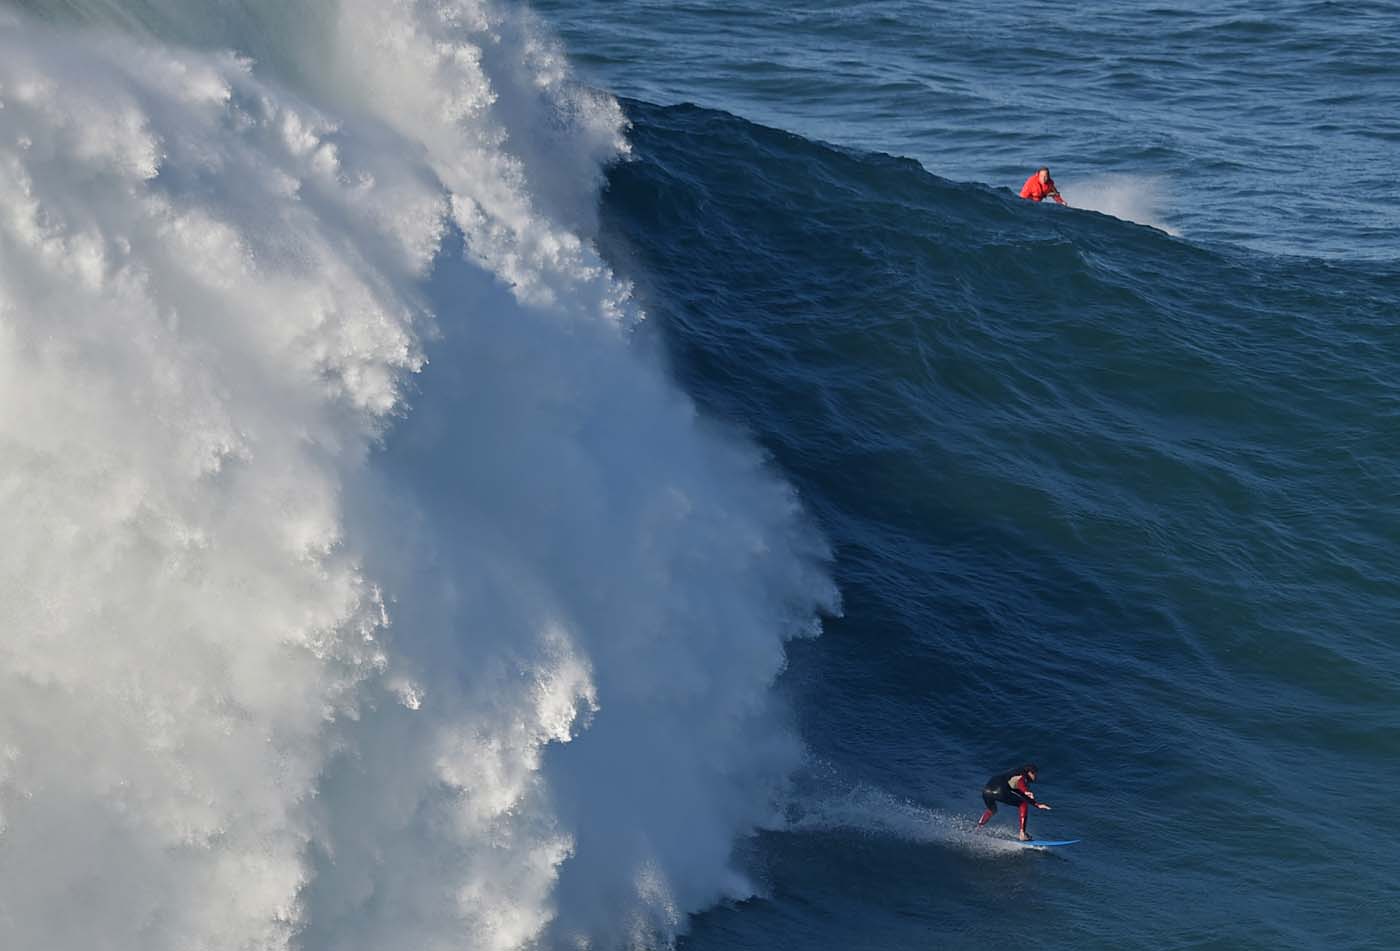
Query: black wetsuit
x,y
998,789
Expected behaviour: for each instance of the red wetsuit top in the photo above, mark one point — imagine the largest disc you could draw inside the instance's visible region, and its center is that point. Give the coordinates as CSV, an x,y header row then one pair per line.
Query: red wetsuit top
x,y
1035,191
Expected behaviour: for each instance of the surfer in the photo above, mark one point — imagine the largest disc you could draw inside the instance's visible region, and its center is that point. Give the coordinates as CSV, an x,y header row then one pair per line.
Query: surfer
x,y
1012,787
1041,186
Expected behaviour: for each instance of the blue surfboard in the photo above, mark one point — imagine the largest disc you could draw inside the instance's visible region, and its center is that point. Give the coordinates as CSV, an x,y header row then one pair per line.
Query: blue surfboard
x,y
1045,843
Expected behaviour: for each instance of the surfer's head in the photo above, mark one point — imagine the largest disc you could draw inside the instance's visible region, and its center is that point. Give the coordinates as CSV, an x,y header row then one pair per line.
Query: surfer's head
x,y
1044,174
1029,771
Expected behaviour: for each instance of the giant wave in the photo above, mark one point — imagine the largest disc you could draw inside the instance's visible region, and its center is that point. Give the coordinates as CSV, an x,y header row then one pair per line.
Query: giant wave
x,y
364,586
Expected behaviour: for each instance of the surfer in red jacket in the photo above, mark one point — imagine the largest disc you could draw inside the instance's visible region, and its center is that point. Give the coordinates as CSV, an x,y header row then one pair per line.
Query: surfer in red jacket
x,y
1012,787
1041,186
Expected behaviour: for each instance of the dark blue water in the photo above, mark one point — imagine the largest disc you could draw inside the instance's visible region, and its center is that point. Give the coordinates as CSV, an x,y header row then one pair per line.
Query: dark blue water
x,y
1101,498
1276,126
1117,500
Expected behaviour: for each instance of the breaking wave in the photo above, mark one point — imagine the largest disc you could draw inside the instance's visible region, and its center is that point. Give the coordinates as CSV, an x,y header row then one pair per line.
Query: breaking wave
x,y
364,586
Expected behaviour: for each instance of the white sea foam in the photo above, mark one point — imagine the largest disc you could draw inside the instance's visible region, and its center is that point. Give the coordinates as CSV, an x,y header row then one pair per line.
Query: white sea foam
x,y
362,588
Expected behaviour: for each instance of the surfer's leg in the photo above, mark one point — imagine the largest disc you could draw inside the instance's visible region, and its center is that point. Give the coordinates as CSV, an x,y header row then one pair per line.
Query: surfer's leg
x,y
991,802
1013,798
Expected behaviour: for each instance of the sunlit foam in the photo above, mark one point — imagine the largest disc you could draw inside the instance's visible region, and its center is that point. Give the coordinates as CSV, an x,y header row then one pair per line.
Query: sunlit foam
x,y
363,588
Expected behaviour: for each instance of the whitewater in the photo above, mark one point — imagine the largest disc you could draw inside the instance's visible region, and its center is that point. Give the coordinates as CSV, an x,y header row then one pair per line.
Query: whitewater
x,y
367,583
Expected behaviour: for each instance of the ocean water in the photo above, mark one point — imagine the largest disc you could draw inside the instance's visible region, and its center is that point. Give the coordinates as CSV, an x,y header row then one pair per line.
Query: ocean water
x,y
1274,126
623,475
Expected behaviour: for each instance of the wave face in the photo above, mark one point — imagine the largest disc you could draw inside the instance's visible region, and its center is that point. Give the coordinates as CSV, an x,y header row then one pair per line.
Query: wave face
x,y
1104,499
364,585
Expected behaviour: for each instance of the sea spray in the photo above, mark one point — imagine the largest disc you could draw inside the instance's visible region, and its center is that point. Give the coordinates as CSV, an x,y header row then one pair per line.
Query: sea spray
x,y
1137,198
363,588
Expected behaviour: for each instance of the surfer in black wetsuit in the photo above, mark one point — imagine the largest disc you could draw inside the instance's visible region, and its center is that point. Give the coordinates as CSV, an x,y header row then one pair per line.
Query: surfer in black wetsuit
x,y
1012,787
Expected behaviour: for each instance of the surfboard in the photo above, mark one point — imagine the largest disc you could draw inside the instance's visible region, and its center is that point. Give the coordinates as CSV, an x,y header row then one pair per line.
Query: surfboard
x,y
1045,843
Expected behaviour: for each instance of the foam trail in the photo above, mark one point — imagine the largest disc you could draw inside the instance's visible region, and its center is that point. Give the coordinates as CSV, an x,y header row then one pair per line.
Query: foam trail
x,y
1137,198
871,811
362,587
